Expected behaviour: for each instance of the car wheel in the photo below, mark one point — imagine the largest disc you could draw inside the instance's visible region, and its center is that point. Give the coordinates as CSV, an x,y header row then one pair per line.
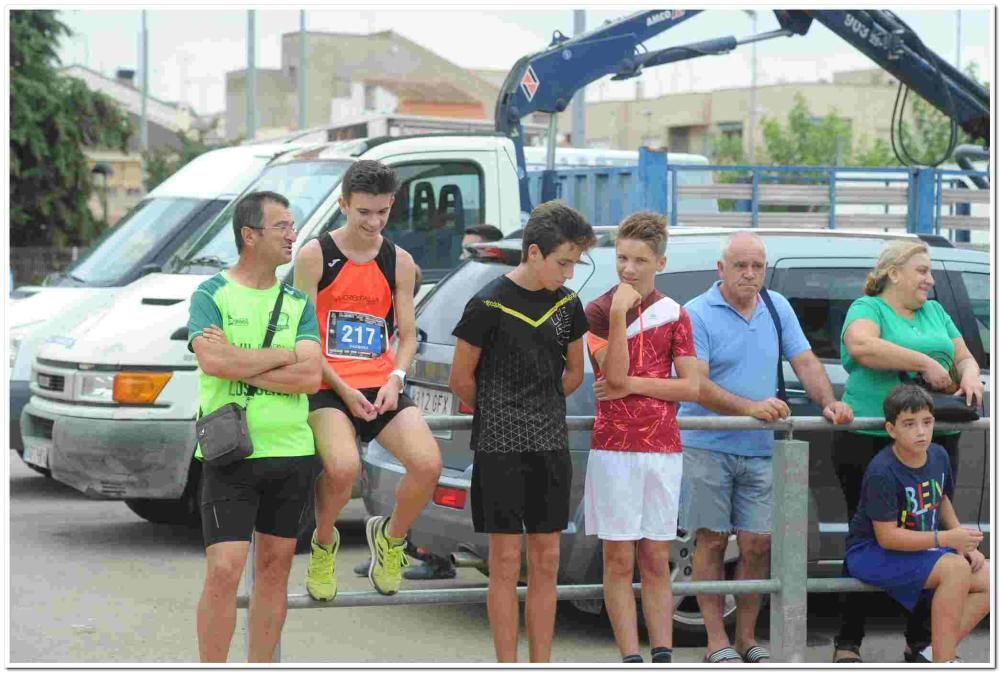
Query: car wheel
x,y
689,625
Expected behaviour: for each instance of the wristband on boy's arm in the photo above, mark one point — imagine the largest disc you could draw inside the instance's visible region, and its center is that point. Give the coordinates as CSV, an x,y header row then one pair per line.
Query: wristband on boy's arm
x,y
936,544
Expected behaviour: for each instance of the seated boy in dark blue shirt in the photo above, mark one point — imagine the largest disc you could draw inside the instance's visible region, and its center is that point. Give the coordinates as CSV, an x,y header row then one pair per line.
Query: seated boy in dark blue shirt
x,y
905,537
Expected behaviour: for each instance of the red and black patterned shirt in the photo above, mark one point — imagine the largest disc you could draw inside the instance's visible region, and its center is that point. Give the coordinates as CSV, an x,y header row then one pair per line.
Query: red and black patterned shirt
x,y
658,331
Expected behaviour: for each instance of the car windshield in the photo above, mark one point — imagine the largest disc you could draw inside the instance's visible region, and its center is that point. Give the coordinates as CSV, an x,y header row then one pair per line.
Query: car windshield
x,y
305,184
439,312
147,227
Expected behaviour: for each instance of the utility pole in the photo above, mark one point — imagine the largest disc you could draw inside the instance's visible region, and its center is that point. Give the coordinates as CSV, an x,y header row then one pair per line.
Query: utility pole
x,y
251,78
752,121
143,121
578,137
301,72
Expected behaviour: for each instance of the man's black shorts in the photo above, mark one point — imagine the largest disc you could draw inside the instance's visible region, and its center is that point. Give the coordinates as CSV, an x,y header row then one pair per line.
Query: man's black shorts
x,y
366,430
521,492
267,494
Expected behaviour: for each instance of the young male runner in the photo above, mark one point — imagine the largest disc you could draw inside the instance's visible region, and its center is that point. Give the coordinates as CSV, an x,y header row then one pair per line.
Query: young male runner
x,y
637,337
362,285
519,353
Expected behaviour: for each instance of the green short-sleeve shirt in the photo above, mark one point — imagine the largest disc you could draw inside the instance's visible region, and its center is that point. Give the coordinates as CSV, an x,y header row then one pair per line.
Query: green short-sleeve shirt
x,y
277,421
929,332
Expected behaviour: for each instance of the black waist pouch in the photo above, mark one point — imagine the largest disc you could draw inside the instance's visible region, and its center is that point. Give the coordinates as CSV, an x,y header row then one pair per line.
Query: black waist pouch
x,y
223,435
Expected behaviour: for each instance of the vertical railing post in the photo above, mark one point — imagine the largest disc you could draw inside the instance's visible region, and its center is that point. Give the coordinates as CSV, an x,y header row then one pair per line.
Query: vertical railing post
x,y
248,582
755,197
789,547
653,180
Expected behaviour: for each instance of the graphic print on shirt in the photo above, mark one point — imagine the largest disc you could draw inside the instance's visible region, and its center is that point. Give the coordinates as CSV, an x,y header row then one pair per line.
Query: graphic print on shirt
x,y
922,503
656,335
524,336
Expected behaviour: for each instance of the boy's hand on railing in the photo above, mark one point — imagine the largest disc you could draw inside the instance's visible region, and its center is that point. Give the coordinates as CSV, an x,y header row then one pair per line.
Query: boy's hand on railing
x,y
963,540
769,410
838,413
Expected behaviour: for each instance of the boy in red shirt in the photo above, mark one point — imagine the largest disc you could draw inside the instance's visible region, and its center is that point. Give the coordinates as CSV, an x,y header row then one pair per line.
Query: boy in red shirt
x,y
637,338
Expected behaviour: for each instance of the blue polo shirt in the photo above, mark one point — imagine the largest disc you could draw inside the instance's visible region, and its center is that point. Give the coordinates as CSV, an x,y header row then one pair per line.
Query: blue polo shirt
x,y
742,358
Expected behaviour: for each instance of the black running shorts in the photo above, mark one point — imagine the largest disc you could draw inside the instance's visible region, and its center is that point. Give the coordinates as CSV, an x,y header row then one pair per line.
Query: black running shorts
x,y
366,430
270,495
521,492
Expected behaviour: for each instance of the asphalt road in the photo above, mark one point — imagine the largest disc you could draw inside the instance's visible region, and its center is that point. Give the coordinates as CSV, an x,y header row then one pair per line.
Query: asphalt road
x,y
91,582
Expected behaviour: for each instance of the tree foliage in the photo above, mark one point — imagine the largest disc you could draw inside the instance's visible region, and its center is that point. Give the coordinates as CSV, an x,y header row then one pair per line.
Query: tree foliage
x,y
805,140
52,119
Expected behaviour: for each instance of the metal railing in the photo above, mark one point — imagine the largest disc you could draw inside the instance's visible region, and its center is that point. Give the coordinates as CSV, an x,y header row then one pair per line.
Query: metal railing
x,y
788,585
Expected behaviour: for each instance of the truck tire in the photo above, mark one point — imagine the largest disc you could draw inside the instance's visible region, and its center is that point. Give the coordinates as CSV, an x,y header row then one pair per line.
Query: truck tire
x,y
177,511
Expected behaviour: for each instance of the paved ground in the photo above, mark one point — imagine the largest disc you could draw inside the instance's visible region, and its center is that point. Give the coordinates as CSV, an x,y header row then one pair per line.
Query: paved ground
x,y
91,582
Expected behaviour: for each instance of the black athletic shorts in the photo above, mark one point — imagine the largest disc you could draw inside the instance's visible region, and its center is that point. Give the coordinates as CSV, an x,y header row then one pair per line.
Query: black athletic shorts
x,y
521,492
366,430
267,494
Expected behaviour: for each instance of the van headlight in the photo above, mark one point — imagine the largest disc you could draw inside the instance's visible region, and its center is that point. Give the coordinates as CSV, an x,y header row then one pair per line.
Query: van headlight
x,y
97,387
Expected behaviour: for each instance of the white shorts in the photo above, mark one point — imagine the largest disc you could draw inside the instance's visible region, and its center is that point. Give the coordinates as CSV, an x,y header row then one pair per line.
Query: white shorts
x,y
631,496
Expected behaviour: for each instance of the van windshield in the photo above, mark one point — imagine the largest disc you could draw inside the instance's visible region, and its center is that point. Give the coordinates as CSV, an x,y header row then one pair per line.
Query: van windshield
x,y
305,184
136,239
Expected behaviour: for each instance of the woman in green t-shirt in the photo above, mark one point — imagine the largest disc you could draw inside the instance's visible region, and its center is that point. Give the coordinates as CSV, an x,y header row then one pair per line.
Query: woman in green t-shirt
x,y
895,328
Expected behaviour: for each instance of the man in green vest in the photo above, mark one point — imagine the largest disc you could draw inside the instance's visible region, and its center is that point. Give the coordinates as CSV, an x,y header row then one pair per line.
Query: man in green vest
x,y
266,492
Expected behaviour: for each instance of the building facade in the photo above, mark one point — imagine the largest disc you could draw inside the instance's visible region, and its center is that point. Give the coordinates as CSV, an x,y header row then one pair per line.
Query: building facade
x,y
689,122
345,71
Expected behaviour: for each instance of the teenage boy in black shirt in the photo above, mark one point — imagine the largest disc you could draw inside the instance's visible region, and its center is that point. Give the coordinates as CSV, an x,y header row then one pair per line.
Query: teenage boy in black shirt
x,y
519,354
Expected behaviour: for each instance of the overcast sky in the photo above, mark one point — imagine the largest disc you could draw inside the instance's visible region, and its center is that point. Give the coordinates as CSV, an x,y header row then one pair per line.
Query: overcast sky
x,y
191,50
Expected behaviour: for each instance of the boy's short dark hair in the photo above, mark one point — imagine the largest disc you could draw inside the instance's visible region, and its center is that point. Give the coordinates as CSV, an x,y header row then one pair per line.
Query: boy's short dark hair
x,y
369,177
249,212
906,397
553,223
648,227
487,232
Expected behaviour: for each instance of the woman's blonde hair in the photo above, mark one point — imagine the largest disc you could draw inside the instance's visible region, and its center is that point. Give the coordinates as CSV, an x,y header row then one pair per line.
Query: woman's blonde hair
x,y
894,254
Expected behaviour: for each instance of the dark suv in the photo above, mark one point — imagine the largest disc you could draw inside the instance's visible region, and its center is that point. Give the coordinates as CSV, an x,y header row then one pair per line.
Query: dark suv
x,y
820,272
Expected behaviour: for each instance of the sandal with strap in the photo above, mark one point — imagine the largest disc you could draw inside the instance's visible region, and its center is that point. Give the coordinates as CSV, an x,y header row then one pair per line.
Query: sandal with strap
x,y
756,655
726,655
852,656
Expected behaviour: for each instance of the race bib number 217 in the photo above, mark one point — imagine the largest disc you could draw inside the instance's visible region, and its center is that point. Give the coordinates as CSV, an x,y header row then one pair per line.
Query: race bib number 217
x,y
355,335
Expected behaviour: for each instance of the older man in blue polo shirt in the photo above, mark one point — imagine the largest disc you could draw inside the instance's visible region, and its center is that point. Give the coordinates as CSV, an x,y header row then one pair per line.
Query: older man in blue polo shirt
x,y
727,473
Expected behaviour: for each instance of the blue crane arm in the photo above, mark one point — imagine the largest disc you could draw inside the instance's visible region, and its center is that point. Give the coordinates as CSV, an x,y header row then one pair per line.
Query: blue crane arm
x,y
547,81
895,47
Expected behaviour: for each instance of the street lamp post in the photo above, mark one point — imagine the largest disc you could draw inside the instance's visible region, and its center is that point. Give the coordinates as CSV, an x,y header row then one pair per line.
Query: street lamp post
x,y
752,121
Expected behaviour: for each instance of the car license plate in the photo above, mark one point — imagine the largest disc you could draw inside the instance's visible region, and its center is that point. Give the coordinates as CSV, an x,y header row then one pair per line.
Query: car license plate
x,y
37,453
434,403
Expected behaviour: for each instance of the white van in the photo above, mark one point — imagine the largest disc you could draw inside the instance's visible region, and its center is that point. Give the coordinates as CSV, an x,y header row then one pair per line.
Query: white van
x,y
139,244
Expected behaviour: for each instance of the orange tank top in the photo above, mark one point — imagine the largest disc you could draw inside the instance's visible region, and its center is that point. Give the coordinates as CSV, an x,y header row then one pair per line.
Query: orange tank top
x,y
354,309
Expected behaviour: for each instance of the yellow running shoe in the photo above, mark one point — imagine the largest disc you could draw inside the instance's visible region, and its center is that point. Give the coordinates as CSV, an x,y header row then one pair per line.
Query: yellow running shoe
x,y
321,578
385,570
